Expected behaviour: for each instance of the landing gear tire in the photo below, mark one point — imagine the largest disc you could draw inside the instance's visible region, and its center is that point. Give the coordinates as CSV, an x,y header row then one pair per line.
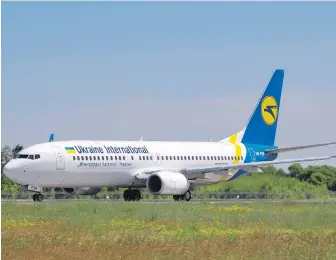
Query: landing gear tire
x,y
132,195
38,197
186,196
176,197
137,195
127,195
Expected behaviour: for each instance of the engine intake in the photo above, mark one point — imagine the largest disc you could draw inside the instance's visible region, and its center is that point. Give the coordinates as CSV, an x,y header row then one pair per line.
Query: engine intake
x,y
167,183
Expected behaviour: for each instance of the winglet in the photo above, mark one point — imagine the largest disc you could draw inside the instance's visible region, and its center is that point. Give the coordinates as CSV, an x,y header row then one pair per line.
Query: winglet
x,y
51,138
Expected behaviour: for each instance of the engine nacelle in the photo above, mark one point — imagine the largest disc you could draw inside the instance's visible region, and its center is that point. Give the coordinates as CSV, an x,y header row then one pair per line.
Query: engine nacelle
x,y
167,183
82,191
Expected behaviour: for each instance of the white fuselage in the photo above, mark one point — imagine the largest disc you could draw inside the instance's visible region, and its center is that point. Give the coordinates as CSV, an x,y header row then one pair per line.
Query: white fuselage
x,y
115,163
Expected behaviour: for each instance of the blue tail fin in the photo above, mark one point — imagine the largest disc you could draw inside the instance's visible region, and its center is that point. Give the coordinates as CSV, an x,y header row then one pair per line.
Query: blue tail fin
x,y
261,128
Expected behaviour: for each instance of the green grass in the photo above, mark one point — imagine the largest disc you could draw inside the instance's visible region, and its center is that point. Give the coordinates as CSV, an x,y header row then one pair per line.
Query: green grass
x,y
120,230
266,182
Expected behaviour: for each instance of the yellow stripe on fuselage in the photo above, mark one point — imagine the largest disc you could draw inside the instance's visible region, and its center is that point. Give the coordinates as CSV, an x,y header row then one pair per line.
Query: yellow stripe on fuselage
x,y
238,153
232,140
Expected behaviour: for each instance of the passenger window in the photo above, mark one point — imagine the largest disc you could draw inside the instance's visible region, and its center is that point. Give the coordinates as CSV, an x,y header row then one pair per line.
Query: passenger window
x,y
116,158
196,158
242,158
151,158
232,158
181,158
111,157
86,158
37,156
90,158
192,157
174,158
132,158
140,158
211,158
119,158
103,158
225,158
82,157
74,158
178,157
185,157
222,158
162,158
124,158
170,157
78,158
167,158
94,158
215,158
106,157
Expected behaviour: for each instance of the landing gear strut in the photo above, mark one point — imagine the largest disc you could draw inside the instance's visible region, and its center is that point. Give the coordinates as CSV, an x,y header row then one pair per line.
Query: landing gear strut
x,y
38,197
186,196
132,195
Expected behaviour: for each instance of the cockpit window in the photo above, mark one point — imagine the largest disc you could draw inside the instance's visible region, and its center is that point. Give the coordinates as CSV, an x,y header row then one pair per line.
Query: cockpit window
x,y
31,157
37,156
22,156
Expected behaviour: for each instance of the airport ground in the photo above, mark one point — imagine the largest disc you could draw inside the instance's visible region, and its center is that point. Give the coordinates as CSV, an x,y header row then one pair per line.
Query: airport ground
x,y
144,230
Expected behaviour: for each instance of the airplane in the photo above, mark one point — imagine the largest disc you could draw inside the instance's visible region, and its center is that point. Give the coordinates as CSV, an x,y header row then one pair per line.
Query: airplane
x,y
161,167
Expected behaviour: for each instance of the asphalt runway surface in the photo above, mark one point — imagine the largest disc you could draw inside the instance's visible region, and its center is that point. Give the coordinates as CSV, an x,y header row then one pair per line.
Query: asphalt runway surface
x,y
229,201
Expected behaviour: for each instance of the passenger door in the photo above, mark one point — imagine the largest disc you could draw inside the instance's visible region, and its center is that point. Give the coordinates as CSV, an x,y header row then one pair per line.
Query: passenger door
x,y
60,163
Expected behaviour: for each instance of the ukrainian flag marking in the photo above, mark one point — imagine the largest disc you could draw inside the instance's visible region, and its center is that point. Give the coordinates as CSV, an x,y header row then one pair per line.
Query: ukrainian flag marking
x,y
70,150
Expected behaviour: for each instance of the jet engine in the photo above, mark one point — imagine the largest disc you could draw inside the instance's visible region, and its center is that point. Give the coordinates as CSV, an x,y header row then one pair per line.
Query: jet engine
x,y
82,191
170,183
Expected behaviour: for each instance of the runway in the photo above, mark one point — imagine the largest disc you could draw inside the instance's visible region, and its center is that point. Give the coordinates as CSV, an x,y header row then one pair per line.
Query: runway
x,y
230,201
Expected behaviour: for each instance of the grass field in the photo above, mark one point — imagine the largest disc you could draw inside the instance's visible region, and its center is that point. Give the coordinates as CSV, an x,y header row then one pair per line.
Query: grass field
x,y
98,230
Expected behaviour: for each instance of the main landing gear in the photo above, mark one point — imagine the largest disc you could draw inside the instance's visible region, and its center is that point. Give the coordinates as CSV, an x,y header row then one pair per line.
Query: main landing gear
x,y
132,195
186,196
38,197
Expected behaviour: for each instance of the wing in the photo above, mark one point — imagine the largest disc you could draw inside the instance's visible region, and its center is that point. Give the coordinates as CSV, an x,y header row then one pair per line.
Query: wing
x,y
293,148
245,166
195,173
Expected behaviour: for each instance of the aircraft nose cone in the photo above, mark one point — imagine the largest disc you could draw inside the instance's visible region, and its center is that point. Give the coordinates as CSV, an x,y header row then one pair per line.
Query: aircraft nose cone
x,y
13,170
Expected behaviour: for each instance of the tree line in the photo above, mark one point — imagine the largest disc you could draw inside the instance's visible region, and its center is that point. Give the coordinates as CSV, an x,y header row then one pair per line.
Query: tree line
x,y
321,176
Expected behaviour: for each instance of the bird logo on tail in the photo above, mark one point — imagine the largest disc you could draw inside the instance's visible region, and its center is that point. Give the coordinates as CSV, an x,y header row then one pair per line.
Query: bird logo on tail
x,y
269,110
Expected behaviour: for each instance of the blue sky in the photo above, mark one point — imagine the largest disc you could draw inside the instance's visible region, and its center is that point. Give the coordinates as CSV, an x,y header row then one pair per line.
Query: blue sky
x,y
165,71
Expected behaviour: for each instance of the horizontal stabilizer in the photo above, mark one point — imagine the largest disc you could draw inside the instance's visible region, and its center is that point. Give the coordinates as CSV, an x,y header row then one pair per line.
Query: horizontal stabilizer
x,y
293,148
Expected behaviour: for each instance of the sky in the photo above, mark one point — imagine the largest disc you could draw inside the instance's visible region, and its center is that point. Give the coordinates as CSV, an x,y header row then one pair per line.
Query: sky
x,y
166,70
